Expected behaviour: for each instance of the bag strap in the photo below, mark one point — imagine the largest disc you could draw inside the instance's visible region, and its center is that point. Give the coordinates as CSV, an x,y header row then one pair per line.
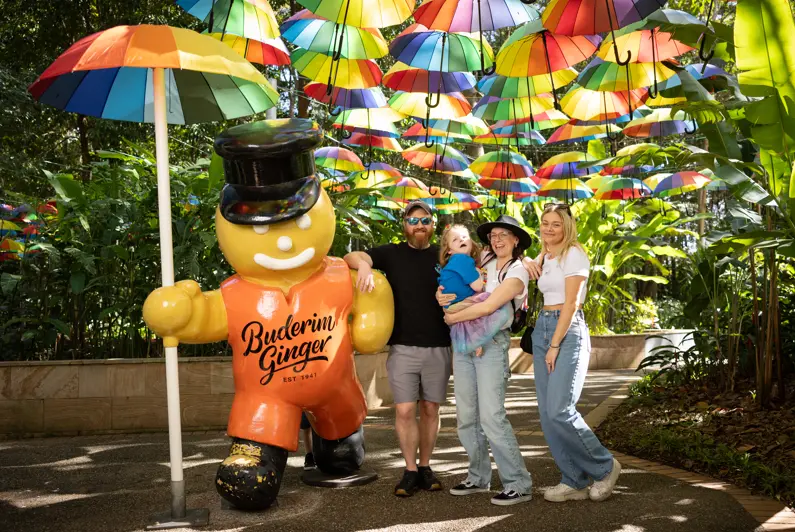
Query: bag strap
x,y
535,287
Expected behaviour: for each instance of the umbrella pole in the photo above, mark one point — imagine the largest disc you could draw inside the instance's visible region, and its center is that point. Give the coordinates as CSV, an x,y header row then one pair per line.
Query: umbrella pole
x,y
178,517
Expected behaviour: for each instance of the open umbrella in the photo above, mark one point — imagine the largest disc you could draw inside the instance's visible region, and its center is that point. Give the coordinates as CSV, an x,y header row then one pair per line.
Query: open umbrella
x,y
418,133
401,77
567,165
467,125
565,189
252,19
502,164
546,120
340,159
586,104
453,105
680,183
373,178
521,87
345,73
574,132
362,13
508,186
420,47
602,75
490,108
521,138
370,98
622,188
661,123
371,141
163,75
438,158
311,32
265,52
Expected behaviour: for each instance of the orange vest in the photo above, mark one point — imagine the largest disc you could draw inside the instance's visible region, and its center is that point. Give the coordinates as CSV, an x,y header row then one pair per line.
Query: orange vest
x,y
288,353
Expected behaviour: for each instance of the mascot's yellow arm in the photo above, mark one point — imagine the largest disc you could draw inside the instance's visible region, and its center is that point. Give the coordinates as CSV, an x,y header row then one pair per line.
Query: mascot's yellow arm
x,y
184,314
373,315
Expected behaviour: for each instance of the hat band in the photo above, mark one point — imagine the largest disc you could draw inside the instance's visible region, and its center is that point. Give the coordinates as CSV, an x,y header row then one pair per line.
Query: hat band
x,y
266,171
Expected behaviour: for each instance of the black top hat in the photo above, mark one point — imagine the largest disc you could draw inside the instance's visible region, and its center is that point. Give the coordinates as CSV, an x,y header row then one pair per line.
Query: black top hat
x,y
506,222
269,168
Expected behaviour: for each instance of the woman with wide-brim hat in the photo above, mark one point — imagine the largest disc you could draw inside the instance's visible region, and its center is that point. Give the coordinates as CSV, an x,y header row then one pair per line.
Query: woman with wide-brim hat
x,y
481,381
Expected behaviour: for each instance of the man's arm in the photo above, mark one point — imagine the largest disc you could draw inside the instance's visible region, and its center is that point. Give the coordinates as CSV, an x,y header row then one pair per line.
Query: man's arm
x,y
361,261
356,258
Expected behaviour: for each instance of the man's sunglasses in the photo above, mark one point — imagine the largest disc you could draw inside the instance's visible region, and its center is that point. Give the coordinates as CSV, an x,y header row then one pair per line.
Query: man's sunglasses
x,y
425,220
557,207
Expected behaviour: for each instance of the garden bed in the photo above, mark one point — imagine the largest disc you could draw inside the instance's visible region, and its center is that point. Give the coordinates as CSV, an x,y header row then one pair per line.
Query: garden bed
x,y
725,435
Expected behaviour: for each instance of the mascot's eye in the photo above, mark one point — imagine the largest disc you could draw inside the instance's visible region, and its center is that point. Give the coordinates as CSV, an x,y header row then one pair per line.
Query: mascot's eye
x,y
304,222
260,229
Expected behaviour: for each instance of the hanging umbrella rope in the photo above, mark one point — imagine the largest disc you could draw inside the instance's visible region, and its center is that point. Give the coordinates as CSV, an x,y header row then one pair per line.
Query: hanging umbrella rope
x,y
610,136
549,68
337,54
493,67
429,103
613,35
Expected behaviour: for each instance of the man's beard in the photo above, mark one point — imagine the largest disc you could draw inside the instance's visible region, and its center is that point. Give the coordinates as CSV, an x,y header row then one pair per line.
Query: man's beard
x,y
419,241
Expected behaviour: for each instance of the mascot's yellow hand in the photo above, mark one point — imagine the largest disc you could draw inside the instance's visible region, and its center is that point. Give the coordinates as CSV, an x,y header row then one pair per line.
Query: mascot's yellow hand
x,y
168,310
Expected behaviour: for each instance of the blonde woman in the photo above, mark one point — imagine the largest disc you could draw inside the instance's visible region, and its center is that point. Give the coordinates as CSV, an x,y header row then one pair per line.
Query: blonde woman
x,y
561,350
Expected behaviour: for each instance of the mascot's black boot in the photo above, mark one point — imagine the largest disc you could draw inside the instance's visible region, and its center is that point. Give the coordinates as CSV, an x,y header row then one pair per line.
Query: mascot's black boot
x,y
339,457
250,477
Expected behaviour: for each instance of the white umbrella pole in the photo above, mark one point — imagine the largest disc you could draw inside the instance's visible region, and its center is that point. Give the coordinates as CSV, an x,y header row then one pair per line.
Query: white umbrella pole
x,y
178,516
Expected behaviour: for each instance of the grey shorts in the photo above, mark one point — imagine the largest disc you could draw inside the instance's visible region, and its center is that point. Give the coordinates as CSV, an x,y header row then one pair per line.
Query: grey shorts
x,y
416,372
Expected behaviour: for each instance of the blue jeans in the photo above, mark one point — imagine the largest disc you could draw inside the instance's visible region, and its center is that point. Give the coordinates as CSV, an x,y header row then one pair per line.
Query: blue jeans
x,y
480,384
577,451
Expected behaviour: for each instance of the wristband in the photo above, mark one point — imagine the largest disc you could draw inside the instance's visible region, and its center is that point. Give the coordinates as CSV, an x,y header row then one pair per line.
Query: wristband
x,y
554,347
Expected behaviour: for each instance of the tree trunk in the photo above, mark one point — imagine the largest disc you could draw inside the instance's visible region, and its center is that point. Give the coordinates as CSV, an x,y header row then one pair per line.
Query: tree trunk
x,y
755,317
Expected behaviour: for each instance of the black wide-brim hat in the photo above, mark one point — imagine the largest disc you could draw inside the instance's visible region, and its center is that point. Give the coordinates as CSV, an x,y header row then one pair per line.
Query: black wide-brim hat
x,y
269,167
506,222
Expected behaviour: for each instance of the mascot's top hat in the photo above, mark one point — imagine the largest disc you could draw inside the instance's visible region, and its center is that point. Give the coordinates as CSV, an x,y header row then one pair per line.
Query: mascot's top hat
x,y
270,170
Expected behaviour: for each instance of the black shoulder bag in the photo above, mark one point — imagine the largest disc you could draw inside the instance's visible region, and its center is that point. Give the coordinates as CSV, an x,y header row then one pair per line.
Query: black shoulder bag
x,y
527,338
520,314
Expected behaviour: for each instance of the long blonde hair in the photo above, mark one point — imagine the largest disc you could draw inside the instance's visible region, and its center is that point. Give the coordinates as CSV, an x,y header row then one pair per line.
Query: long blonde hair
x,y
444,247
569,229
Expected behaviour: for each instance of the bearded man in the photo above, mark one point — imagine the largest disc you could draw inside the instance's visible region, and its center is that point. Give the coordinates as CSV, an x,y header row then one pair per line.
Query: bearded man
x,y
419,363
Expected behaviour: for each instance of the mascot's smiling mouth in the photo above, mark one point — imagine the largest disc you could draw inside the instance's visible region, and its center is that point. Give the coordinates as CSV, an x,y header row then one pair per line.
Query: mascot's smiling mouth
x,y
285,264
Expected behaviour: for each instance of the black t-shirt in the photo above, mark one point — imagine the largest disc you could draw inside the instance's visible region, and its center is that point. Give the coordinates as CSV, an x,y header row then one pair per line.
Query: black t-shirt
x,y
419,320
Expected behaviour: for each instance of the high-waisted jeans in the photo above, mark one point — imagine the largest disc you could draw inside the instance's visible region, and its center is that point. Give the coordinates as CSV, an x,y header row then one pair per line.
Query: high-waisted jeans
x,y
577,451
480,385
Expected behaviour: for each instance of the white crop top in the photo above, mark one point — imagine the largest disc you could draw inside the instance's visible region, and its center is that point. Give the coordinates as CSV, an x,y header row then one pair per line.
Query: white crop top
x,y
552,282
495,278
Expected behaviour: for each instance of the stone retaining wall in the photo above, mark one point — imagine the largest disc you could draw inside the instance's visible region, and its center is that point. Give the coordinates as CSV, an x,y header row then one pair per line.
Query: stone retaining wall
x,y
129,395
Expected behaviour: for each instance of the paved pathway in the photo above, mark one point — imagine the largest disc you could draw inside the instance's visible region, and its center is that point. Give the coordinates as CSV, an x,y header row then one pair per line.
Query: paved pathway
x,y
115,483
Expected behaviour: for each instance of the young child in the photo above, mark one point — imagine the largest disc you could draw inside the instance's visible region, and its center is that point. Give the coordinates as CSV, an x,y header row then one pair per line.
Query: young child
x,y
459,275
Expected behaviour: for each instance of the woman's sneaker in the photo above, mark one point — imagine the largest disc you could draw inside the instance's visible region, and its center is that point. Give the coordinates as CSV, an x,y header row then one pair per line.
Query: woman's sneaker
x,y
602,489
509,497
563,492
428,480
309,462
467,488
408,484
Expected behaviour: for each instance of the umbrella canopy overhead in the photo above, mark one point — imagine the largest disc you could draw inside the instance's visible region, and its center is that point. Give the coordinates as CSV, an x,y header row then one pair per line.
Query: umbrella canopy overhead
x,y
362,13
401,77
528,138
418,133
622,188
660,123
311,32
490,108
344,73
265,52
453,105
339,159
379,143
567,165
439,158
473,15
643,46
588,17
509,186
602,75
251,19
679,183
419,47
585,104
499,86
546,120
502,164
110,75
573,132
466,125
565,189
346,98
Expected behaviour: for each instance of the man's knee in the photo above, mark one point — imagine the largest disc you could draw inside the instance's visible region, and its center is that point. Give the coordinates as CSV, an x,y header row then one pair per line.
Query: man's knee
x,y
405,411
428,408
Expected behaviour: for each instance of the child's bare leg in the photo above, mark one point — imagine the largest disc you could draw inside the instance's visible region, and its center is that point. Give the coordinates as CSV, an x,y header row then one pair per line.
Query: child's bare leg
x,y
479,351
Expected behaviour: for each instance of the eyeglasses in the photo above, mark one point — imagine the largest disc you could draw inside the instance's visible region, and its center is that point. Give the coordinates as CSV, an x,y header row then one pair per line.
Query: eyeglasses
x,y
557,207
425,220
498,236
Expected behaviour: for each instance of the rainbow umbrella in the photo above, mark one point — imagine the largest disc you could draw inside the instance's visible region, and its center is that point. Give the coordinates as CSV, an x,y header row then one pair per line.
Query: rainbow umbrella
x,y
629,170
565,189
420,47
401,77
473,15
366,118
602,75
502,164
574,132
384,129
595,181
528,198
345,73
340,159
386,167
334,180
585,104
379,143
418,133
680,183
508,186
456,202
264,52
346,98
622,188
362,13
664,101
588,17
567,165
643,46
163,75
405,189
660,123
490,108
438,158
309,31
372,178
467,125
546,120
8,228
653,180
467,175
529,138
453,105
252,19
522,87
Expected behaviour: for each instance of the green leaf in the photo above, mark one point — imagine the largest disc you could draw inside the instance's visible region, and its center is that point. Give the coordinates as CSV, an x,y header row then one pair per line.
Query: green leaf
x,y
62,327
216,171
596,149
66,187
647,278
743,186
778,171
29,335
764,36
77,282
8,282
668,251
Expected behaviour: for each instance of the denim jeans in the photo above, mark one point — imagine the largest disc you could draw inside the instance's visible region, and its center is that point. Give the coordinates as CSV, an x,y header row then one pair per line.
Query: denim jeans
x,y
480,384
577,451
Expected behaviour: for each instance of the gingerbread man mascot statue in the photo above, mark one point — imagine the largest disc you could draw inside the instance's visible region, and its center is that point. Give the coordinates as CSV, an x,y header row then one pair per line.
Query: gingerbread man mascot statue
x,y
291,313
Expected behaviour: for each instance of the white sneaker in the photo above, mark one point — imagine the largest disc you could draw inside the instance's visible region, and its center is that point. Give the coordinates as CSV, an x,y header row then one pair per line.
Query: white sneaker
x,y
563,492
602,489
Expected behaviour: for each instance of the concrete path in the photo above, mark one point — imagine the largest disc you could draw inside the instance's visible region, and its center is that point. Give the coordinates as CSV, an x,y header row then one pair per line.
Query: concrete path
x,y
115,483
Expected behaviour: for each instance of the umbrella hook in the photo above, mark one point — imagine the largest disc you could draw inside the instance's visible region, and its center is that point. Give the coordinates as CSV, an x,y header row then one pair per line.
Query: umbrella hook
x,y
425,123
613,35
429,98
528,2
549,69
346,134
656,92
703,39
493,67
338,52
687,131
336,111
429,143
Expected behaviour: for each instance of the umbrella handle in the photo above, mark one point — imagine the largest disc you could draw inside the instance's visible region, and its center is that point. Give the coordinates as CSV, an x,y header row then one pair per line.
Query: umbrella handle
x,y
705,58
626,61
687,131
656,91
528,2
429,100
613,35
336,111
346,134
429,144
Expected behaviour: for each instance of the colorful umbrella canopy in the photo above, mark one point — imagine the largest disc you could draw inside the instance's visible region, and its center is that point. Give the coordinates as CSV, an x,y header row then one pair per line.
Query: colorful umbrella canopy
x,y
467,125
368,118
531,50
371,178
528,138
252,19
664,101
311,32
522,87
345,73
588,17
110,75
490,108
337,158
528,198
457,202
347,98
629,170
566,165
405,189
680,183
386,167
439,158
334,180
453,105
565,189
420,47
595,181
509,186
385,129
602,75
265,52
473,15
660,123
379,143
622,188
546,120
418,133
502,164
362,13
644,46
585,104
401,77
573,132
